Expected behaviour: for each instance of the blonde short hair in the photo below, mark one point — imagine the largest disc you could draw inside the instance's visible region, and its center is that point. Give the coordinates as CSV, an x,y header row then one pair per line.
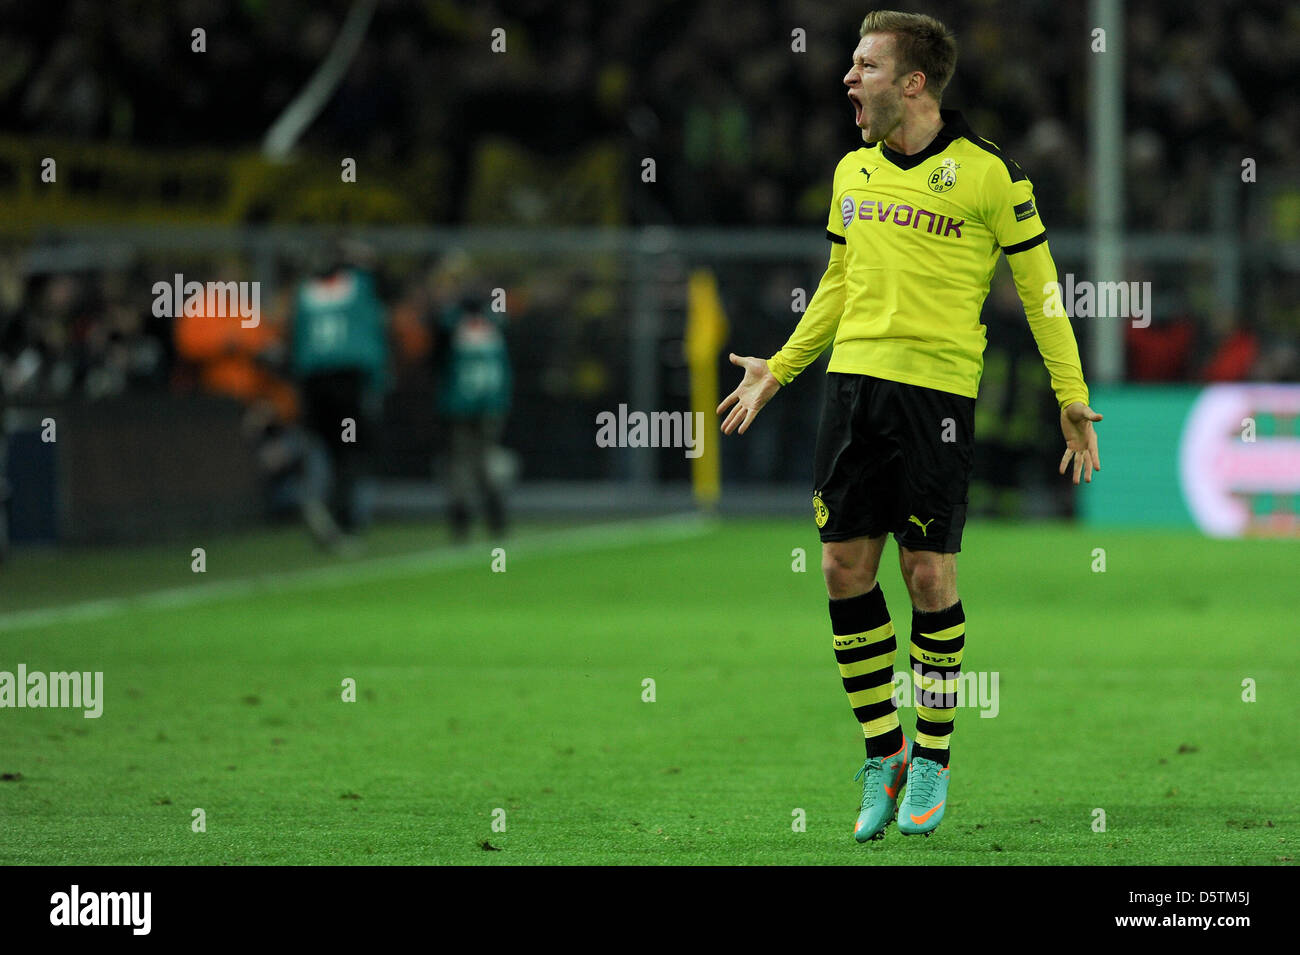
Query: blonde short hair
x,y
920,43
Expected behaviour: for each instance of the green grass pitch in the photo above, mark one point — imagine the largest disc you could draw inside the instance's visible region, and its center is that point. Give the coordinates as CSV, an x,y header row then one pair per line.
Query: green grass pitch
x,y
522,691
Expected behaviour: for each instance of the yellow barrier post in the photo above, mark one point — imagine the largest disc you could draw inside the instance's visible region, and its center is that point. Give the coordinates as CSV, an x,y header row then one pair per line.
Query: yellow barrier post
x,y
706,332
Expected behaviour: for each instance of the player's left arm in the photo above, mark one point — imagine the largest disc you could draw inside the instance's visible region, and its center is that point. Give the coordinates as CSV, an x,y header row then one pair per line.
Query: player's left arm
x,y
1013,218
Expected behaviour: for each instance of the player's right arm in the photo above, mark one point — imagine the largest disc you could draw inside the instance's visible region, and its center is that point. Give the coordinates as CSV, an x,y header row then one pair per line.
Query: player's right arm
x,y
814,332
817,328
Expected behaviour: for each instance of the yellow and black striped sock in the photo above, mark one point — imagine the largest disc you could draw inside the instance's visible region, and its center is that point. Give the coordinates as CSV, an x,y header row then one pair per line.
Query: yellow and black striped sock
x,y
864,649
938,640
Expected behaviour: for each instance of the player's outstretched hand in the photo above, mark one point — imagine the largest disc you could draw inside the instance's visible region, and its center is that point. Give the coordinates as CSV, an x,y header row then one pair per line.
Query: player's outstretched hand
x,y
1080,440
754,391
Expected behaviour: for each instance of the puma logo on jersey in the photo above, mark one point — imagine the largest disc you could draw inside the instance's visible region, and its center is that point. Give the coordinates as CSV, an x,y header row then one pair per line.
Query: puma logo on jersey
x,y
917,521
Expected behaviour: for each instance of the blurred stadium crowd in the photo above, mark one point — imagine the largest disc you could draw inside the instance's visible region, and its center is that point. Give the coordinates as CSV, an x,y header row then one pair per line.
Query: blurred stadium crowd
x,y
705,86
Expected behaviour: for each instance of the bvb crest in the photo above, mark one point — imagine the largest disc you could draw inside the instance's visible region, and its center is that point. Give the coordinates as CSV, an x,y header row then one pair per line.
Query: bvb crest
x,y
944,176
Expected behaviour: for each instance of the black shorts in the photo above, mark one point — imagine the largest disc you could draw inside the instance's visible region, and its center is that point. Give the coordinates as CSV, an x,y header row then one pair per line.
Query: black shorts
x,y
893,457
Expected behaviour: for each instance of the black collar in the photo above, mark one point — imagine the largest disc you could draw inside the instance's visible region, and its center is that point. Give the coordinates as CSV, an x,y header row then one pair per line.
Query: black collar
x,y
954,127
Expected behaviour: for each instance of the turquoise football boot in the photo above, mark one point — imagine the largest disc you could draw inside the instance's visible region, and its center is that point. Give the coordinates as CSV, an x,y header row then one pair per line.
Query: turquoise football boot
x,y
927,791
882,778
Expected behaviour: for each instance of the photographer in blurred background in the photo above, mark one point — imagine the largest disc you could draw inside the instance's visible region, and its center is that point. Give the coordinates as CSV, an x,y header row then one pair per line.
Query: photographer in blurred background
x,y
338,354
473,380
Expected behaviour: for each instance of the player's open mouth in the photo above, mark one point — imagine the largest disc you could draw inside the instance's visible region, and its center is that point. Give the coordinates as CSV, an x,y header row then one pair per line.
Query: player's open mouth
x,y
857,109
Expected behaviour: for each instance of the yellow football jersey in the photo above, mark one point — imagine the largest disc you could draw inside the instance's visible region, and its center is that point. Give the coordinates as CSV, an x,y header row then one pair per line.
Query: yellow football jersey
x,y
916,239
